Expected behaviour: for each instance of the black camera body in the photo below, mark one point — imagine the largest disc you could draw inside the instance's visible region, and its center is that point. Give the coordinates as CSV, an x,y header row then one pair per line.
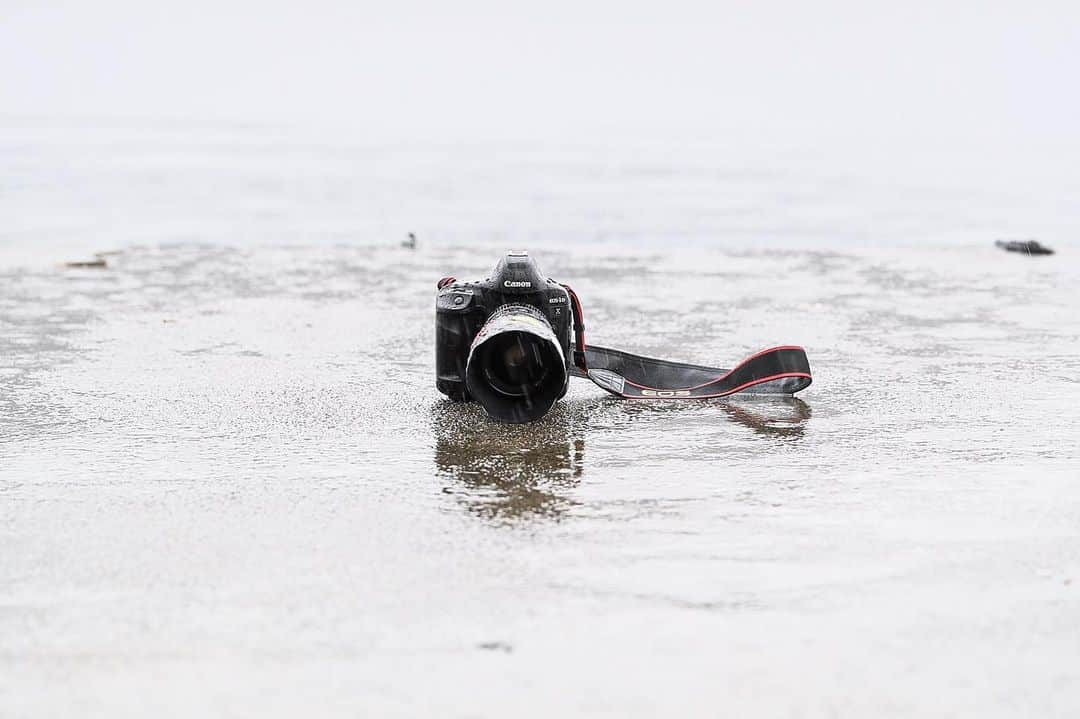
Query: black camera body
x,y
519,315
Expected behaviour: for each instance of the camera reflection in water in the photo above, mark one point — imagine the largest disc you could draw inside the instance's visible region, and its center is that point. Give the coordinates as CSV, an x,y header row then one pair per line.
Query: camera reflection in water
x,y
509,473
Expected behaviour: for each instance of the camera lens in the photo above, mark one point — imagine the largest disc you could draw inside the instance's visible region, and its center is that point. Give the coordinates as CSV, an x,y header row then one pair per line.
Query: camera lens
x,y
516,366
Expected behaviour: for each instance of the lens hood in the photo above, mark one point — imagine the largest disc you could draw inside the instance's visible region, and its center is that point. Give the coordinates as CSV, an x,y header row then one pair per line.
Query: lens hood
x,y
516,367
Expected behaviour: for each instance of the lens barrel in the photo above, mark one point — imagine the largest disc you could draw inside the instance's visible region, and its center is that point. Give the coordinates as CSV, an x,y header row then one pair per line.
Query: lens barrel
x,y
516,367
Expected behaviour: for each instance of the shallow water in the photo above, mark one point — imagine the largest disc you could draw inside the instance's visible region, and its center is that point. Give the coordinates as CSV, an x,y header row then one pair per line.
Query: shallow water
x,y
228,486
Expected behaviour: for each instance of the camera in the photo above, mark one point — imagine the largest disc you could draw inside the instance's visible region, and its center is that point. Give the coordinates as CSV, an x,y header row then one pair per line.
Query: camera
x,y
513,340
504,341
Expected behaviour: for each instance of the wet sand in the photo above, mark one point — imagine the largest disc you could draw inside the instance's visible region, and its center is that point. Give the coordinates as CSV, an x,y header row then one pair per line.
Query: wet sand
x,y
228,487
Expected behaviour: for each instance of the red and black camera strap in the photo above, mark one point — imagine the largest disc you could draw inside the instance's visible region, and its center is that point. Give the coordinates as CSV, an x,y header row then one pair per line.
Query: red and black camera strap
x,y
778,370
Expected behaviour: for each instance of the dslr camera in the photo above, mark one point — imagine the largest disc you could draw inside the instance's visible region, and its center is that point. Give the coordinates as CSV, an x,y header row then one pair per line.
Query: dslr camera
x,y
505,340
513,340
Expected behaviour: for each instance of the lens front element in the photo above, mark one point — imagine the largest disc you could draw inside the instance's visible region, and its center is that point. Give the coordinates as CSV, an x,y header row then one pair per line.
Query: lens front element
x,y
515,365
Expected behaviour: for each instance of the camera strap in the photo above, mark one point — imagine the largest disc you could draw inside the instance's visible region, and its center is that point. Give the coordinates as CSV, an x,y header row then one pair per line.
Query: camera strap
x,y
580,359
778,370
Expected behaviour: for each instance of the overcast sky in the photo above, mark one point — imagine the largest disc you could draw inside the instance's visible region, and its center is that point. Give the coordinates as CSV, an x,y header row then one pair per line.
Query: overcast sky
x,y
556,68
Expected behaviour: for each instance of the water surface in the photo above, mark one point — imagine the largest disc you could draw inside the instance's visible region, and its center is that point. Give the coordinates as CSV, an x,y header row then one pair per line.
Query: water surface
x,y
228,486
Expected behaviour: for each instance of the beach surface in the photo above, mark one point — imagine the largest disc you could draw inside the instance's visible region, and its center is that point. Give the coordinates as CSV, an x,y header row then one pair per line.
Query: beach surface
x,y
228,486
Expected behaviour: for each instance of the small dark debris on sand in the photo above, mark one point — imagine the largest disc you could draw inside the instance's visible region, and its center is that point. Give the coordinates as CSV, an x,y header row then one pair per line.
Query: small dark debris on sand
x,y
496,647
98,263
1027,247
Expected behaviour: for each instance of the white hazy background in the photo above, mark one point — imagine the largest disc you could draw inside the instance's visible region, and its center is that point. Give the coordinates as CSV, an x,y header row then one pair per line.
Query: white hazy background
x,y
850,72
944,97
